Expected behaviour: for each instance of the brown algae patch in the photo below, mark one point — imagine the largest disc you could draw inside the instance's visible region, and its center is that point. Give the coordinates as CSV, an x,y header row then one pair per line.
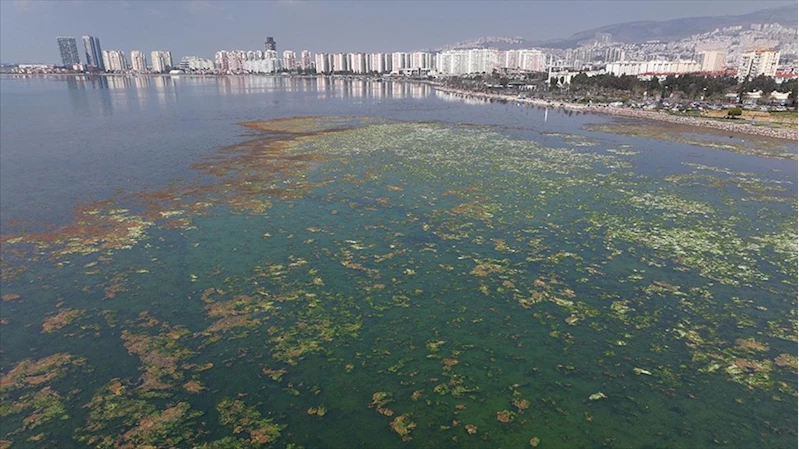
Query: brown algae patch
x,y
248,420
745,144
63,318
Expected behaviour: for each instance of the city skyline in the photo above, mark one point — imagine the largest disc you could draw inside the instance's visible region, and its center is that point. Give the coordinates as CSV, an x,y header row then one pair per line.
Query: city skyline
x,y
308,25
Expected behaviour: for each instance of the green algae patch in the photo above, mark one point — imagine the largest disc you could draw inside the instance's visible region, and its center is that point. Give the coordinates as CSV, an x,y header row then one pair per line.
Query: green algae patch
x,y
421,280
248,420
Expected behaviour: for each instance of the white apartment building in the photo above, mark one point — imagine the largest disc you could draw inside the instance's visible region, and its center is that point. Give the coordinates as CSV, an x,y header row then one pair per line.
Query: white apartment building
x,y
400,61
377,63
195,63
289,60
161,61
322,62
421,60
137,61
340,62
114,61
711,60
647,67
759,62
531,61
306,60
357,63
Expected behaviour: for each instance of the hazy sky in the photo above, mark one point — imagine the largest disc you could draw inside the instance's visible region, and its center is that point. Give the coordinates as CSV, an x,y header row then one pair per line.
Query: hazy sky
x,y
28,28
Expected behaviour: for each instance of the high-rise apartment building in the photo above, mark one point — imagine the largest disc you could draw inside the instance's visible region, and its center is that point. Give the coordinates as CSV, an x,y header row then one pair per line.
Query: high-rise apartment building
x,y
614,54
289,60
322,62
306,60
68,47
357,63
712,61
196,63
138,62
377,63
341,62
399,61
94,54
759,62
421,60
533,61
161,61
270,44
114,61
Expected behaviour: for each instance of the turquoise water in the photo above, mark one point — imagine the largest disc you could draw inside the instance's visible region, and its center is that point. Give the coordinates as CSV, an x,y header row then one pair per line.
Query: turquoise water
x,y
403,270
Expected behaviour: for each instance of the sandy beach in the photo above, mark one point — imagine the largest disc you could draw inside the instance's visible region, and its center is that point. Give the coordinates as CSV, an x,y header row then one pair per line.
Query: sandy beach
x,y
731,126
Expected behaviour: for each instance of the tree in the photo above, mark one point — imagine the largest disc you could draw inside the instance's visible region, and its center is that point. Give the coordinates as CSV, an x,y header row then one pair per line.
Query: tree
x,y
734,112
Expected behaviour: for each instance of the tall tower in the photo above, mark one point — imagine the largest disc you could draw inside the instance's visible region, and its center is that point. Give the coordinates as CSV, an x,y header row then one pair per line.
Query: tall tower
x,y
94,54
270,44
68,47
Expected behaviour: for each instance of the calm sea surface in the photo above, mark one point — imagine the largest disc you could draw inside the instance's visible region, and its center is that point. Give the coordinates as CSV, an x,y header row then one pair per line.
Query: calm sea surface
x,y
272,262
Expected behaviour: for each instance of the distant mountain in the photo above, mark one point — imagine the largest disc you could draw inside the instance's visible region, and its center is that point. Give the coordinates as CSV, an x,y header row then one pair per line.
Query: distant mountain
x,y
676,29
641,31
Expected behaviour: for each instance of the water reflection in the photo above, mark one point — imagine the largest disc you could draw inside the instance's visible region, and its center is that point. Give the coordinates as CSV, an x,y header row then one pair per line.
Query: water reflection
x,y
107,95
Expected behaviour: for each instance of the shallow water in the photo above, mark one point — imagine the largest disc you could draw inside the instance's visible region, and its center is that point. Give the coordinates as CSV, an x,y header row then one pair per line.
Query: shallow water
x,y
405,269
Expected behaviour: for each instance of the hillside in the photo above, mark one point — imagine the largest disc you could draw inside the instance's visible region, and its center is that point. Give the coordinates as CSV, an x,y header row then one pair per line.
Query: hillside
x,y
669,30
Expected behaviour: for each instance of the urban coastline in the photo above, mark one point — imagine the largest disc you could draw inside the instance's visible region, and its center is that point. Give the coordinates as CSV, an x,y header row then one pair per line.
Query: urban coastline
x,y
737,89
734,126
612,108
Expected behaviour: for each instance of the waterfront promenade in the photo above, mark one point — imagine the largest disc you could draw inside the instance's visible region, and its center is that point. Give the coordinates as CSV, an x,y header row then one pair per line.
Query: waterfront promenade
x,y
724,125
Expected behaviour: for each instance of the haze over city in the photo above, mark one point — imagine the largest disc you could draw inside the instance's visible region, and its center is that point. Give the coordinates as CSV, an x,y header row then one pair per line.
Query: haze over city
x,y
28,28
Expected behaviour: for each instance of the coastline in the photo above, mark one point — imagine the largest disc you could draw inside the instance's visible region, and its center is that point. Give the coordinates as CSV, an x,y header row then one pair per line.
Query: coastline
x,y
742,128
739,127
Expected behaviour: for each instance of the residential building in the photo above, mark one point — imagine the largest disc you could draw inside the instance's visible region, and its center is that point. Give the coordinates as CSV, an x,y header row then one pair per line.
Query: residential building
x,y
759,62
532,61
114,61
357,63
137,61
377,63
306,60
322,63
712,61
161,61
341,62
68,47
190,63
94,54
421,60
270,44
652,67
614,54
399,61
289,60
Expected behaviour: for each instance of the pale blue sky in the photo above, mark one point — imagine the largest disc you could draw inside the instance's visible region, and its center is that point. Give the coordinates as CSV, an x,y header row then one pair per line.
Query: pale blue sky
x,y
28,28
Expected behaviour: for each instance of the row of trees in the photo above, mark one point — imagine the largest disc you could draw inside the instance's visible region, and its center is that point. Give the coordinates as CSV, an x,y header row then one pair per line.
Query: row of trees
x,y
688,85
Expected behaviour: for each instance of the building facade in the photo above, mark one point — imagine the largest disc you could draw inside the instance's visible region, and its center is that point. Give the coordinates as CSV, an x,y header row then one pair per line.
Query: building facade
x,y
322,63
94,54
68,47
114,61
306,60
161,61
652,67
759,62
191,63
138,62
289,60
712,61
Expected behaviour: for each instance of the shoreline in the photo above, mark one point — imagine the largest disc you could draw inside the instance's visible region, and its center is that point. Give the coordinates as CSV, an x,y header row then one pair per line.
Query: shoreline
x,y
742,128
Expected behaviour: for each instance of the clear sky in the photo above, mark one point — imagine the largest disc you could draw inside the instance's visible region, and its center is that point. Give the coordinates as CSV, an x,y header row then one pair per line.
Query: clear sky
x,y
28,28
